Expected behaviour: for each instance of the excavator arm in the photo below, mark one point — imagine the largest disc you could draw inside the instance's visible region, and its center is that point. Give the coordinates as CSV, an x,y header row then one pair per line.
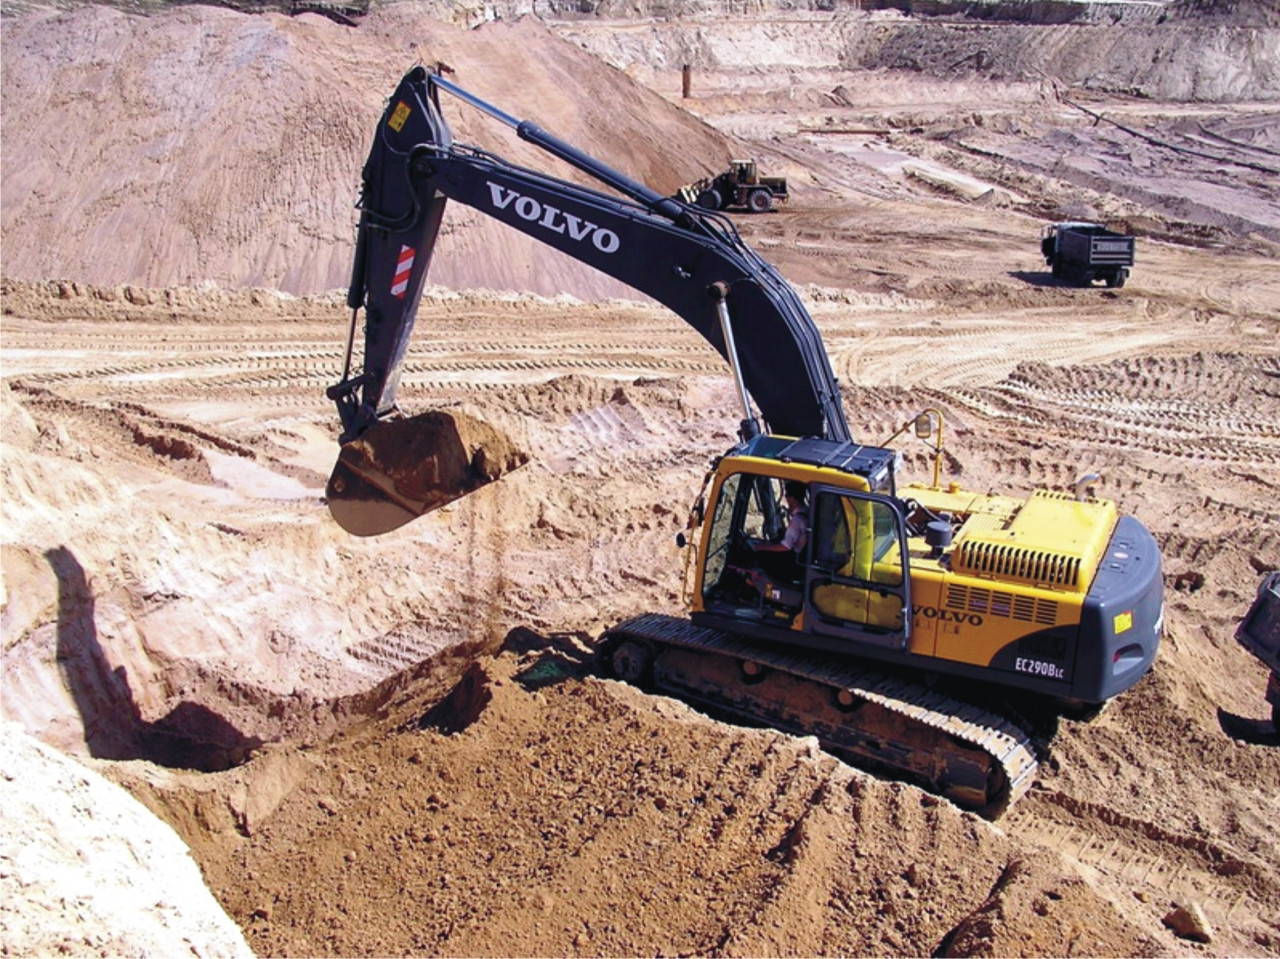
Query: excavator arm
x,y
688,259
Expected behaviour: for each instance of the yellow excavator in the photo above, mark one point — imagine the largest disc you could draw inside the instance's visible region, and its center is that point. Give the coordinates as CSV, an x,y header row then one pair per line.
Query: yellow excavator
x,y
894,622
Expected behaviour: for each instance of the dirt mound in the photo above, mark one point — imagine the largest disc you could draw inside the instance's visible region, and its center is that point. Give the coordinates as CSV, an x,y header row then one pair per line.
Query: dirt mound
x,y
543,812
152,117
87,870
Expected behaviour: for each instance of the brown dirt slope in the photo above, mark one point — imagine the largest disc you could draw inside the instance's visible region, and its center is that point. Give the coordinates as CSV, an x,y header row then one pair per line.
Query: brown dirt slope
x,y
152,114
535,811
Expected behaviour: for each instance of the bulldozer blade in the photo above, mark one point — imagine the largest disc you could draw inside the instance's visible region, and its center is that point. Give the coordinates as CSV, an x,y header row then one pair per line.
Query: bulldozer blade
x,y
401,469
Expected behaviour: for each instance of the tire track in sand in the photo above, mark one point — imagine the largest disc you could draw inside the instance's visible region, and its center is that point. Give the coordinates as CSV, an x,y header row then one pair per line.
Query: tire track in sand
x,y
1144,863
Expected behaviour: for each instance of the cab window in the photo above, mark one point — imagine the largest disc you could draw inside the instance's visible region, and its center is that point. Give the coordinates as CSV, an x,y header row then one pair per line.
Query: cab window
x,y
749,507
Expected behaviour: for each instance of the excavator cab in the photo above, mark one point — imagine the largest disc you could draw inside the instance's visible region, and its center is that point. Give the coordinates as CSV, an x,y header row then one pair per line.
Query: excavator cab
x,y
847,583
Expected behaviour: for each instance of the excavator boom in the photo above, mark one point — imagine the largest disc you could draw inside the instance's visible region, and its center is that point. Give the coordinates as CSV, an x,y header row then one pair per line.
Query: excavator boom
x,y
681,256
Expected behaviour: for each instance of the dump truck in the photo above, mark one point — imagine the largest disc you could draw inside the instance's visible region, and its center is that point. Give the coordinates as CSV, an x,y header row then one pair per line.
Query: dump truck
x,y
896,624
738,188
1079,253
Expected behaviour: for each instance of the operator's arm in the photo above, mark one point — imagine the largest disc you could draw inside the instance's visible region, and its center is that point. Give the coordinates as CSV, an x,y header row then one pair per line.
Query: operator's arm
x,y
793,538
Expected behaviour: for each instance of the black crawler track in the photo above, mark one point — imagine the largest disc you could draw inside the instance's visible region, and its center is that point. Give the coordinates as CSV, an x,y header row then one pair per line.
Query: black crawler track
x,y
979,760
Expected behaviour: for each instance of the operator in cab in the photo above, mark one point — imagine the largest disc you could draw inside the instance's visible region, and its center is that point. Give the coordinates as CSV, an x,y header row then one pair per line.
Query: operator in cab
x,y
783,559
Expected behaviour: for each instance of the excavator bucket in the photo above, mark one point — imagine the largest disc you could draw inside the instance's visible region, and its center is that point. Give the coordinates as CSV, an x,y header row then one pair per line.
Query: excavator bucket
x,y
401,469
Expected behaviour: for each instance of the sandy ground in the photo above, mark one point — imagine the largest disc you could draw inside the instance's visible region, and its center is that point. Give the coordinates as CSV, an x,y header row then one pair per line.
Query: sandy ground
x,y
400,745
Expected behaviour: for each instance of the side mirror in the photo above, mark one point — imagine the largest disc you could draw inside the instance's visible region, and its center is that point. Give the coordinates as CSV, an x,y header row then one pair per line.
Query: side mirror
x,y
926,425
681,541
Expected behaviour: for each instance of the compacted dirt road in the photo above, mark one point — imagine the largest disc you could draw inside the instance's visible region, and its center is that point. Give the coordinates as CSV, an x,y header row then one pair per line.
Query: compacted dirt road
x,y
401,745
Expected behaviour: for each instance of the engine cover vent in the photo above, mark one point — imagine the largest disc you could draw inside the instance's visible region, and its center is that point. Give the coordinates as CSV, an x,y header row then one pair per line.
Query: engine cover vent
x,y
1008,561
996,602
1054,541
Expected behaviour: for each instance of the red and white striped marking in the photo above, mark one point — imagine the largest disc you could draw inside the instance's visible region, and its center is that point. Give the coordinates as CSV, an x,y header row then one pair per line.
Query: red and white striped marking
x,y
400,282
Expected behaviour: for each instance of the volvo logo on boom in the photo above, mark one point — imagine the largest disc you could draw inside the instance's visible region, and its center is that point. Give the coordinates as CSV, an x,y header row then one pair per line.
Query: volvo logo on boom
x,y
553,219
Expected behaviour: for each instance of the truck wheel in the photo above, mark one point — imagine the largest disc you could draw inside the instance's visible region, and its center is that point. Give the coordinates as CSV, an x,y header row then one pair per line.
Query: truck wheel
x,y
1116,280
760,201
708,200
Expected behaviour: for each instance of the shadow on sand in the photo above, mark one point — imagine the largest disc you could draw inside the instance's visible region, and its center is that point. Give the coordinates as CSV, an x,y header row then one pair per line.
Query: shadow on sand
x,y
191,736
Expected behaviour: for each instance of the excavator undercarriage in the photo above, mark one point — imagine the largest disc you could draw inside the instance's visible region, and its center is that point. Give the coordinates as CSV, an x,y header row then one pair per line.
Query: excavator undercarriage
x,y
870,716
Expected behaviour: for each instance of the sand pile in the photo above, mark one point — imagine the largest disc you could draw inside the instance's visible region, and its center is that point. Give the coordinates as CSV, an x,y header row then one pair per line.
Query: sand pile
x,y
299,99
87,870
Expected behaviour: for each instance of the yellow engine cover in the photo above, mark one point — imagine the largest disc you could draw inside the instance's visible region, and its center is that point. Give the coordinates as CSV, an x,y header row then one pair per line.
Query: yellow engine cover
x,y
1054,542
